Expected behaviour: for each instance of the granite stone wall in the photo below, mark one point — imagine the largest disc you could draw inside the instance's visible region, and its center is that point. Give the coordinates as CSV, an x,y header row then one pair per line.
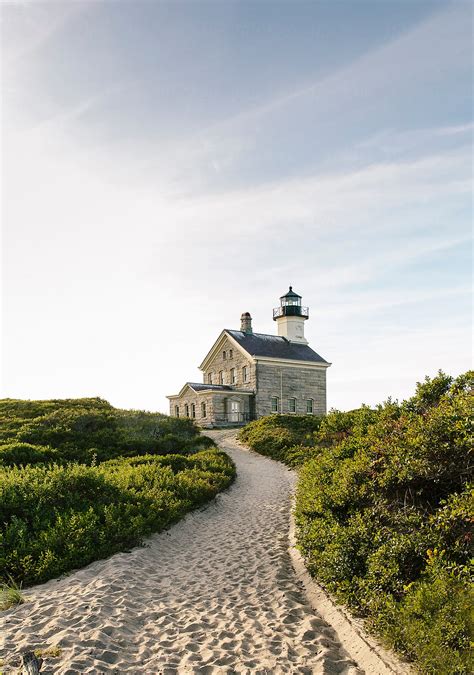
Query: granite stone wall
x,y
287,382
234,359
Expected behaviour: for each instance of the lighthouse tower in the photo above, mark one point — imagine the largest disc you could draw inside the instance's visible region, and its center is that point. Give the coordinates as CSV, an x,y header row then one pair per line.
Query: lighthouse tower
x,y
290,317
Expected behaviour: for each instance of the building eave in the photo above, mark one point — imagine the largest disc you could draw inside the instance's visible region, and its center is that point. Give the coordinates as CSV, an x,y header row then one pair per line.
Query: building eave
x,y
217,345
293,362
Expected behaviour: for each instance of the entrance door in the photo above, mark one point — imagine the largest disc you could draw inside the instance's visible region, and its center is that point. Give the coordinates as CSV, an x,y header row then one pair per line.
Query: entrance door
x,y
234,414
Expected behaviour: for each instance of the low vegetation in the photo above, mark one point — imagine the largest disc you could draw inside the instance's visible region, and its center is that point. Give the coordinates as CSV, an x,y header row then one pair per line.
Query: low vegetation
x,y
80,480
10,595
384,512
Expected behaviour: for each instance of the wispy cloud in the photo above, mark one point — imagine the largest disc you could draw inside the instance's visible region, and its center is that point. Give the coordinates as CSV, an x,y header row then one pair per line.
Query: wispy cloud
x,y
334,184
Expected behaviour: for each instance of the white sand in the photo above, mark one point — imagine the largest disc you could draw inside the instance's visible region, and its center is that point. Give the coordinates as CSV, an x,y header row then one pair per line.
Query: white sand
x,y
216,593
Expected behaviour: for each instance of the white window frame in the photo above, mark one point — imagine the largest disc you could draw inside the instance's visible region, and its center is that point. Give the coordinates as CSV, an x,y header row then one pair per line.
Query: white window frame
x,y
290,401
245,373
233,376
277,400
310,403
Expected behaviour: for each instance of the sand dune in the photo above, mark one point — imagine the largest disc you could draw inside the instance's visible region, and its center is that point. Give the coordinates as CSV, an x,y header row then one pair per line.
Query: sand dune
x,y
215,594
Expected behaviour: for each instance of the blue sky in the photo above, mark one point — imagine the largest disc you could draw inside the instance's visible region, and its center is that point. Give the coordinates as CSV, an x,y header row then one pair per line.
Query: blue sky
x,y
168,165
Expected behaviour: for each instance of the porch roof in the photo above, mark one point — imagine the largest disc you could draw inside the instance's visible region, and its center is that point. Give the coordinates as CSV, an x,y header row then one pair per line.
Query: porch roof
x,y
201,388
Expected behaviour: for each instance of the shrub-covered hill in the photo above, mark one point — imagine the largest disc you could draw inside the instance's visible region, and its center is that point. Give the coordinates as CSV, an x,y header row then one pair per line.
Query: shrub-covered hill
x,y
80,480
384,511
88,429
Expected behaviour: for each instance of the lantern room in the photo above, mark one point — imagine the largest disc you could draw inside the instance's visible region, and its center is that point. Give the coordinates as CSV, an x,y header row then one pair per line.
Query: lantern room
x,y
290,305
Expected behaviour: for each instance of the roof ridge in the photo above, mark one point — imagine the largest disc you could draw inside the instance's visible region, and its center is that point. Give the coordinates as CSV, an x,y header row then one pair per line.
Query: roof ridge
x,y
234,330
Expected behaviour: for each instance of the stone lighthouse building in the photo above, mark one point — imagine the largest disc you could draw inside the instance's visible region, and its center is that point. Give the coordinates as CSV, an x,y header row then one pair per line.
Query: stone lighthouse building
x,y
247,375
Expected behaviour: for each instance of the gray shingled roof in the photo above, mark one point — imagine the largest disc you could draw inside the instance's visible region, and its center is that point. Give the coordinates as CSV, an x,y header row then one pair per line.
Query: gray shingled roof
x,y
199,386
259,344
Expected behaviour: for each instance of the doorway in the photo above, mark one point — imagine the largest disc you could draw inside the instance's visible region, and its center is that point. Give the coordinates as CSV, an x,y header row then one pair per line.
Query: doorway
x,y
234,412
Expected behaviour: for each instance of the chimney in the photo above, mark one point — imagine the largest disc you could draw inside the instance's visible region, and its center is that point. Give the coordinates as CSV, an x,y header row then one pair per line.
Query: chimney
x,y
246,323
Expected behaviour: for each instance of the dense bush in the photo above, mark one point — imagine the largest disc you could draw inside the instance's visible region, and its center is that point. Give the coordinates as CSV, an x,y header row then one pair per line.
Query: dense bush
x,y
84,430
80,480
274,435
57,518
384,511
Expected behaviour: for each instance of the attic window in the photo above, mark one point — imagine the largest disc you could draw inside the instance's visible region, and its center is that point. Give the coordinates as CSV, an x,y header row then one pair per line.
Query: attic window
x,y
224,355
231,353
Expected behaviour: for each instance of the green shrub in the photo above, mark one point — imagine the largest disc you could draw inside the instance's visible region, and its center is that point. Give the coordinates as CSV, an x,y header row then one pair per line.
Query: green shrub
x,y
384,512
273,435
12,454
57,518
432,624
80,480
91,430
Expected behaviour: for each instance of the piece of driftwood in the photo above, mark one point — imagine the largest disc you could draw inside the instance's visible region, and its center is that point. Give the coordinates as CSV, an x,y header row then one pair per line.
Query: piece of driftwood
x,y
31,664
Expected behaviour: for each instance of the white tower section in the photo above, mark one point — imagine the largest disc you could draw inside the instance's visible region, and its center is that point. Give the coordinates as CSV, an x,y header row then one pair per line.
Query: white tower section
x,y
290,317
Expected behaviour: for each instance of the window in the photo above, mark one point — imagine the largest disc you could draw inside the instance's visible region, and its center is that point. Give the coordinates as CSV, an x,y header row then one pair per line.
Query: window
x,y
224,355
221,377
203,409
275,402
186,410
231,353
309,406
233,379
176,410
245,374
292,405
209,378
193,410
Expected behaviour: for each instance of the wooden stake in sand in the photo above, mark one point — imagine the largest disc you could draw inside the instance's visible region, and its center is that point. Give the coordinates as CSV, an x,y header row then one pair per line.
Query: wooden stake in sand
x,y
31,664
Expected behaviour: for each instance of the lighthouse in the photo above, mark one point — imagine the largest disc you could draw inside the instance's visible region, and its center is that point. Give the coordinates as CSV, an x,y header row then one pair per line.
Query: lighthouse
x,y
290,317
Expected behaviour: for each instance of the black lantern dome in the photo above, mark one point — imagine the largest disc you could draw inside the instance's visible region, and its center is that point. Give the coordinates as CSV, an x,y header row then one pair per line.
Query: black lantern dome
x,y
290,305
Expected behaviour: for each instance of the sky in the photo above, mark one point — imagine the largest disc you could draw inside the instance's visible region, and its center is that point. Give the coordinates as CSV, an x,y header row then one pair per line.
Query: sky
x,y
167,166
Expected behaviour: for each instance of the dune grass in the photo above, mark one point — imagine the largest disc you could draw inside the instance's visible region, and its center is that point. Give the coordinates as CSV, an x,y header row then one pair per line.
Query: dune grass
x,y
10,595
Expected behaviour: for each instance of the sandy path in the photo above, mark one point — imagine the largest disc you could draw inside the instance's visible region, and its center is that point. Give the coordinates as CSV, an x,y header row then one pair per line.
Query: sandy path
x,y
214,594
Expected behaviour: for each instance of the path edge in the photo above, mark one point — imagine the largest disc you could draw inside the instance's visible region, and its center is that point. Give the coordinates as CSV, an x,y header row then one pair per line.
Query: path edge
x,y
369,655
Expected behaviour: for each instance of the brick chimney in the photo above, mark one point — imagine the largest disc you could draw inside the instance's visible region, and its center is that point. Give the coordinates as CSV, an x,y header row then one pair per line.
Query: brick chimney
x,y
246,323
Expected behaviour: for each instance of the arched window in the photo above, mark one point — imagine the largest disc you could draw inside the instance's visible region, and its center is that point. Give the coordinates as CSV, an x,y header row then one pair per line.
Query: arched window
x,y
203,409
309,406
292,405
275,404
224,355
231,353
176,410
